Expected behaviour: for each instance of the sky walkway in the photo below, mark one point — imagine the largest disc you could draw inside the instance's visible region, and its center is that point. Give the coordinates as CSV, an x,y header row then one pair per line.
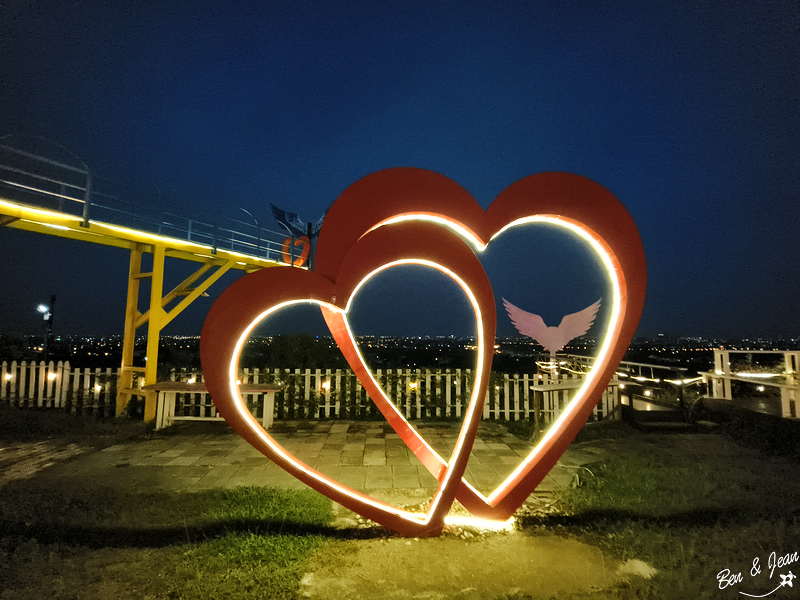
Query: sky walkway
x,y
52,196
56,194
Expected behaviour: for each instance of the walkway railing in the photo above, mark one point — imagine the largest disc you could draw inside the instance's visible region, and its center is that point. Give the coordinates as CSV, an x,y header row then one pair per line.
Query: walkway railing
x,y
765,381
56,185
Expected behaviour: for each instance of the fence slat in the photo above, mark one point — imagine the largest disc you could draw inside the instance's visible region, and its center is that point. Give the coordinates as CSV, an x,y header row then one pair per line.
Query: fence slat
x,y
5,379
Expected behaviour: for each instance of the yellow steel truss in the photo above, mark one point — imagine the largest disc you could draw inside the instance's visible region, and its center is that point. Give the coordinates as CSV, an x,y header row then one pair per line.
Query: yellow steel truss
x,y
162,309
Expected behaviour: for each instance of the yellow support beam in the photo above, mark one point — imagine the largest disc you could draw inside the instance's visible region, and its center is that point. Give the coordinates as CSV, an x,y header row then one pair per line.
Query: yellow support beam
x,y
197,292
154,326
158,315
125,386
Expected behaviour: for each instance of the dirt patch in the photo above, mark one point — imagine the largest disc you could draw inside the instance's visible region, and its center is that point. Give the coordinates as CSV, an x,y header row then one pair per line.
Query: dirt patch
x,y
448,567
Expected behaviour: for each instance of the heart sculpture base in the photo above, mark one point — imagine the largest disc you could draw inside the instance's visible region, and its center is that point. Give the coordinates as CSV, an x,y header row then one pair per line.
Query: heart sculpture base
x,y
412,216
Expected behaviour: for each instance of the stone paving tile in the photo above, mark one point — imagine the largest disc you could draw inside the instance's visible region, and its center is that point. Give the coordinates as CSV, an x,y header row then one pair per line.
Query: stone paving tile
x,y
173,452
183,461
405,476
324,460
352,476
378,477
497,446
399,460
374,459
254,461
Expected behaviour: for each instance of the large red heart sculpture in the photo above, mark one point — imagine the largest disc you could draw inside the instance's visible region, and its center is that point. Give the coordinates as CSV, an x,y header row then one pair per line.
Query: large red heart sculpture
x,y
254,297
387,201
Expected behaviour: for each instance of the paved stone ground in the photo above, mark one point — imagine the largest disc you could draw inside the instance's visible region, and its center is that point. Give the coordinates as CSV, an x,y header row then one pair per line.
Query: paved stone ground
x,y
367,456
20,460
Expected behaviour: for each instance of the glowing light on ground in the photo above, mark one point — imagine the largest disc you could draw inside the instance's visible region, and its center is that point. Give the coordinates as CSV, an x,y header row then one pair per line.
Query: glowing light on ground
x,y
468,521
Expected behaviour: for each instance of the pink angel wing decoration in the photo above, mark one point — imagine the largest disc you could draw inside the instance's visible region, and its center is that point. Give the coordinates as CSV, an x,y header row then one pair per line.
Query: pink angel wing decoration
x,y
552,339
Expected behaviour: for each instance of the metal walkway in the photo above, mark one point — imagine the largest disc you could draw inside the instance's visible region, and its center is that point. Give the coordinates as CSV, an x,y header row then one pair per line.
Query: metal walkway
x,y
58,195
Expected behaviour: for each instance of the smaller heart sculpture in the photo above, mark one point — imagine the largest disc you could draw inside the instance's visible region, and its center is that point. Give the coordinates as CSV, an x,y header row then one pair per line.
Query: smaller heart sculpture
x,y
394,196
254,297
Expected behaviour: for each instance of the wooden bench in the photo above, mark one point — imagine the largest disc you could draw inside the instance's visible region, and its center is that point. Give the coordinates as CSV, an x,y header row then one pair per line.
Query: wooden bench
x,y
165,406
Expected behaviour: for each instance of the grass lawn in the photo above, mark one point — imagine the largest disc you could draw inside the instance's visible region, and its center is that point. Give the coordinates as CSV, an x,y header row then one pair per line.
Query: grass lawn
x,y
241,543
698,508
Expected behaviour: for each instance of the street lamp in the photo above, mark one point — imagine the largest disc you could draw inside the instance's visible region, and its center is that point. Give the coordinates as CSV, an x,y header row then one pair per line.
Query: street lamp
x,y
258,229
47,316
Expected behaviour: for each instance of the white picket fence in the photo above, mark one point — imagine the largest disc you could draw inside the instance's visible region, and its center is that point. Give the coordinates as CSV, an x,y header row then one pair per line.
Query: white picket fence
x,y
418,393
52,385
317,394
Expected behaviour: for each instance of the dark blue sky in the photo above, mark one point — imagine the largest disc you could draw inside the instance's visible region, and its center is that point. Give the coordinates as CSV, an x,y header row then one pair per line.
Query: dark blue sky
x,y
687,111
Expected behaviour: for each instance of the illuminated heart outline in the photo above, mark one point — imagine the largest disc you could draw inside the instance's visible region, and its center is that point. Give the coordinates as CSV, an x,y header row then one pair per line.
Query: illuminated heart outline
x,y
400,195
254,297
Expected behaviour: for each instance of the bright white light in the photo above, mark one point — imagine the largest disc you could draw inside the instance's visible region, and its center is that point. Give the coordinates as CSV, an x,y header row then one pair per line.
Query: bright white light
x,y
458,228
326,385
647,393
191,380
51,376
42,308
98,387
758,375
684,381
9,377
467,521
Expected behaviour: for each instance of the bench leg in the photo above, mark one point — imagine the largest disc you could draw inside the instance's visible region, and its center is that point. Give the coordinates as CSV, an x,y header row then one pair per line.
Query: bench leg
x,y
269,410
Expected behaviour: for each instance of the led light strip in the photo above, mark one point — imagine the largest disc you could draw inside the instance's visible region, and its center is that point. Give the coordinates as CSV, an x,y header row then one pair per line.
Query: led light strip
x,y
605,255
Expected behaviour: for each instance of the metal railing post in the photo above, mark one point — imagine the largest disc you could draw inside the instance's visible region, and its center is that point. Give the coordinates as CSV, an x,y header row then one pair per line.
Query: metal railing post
x,y
87,199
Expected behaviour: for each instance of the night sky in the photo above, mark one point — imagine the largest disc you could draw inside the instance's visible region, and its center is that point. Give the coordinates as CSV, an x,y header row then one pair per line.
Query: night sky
x,y
687,111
